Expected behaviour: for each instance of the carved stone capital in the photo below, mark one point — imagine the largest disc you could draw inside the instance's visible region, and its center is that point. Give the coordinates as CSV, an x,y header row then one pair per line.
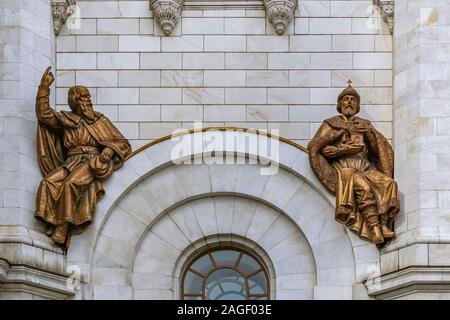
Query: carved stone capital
x,y
280,13
61,10
166,13
387,12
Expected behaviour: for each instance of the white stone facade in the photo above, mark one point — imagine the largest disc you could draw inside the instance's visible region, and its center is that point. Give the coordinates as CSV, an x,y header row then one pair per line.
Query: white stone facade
x,y
228,68
167,209
421,252
29,263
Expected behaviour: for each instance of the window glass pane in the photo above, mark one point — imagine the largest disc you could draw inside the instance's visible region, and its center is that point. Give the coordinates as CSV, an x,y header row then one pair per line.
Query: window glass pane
x,y
223,280
203,264
248,265
225,284
192,283
257,283
225,257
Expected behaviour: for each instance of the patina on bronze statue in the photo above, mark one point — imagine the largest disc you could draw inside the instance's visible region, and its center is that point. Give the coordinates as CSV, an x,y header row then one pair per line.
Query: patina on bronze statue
x,y
354,161
77,150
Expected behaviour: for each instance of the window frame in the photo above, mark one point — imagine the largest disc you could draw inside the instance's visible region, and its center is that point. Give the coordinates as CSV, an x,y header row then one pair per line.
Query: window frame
x,y
216,267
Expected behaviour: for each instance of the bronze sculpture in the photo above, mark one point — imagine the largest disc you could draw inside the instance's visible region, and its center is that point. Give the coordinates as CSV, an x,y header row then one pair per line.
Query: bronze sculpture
x,y
77,150
354,161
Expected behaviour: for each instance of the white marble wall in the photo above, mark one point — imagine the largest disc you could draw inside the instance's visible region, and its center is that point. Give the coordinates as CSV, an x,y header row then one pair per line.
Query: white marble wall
x,y
226,67
419,256
422,100
27,47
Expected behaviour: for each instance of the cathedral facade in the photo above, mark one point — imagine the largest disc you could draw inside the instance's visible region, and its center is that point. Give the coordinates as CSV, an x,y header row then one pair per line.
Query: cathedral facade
x,y
218,100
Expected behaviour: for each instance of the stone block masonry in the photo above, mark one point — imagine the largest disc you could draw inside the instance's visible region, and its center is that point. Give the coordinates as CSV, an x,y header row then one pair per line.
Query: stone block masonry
x,y
31,267
226,67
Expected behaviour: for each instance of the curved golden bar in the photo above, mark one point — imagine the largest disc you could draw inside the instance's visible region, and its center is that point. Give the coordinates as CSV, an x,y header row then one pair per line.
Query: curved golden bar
x,y
261,132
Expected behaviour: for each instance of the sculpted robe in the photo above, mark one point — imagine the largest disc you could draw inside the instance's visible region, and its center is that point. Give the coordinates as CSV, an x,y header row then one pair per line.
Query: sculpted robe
x,y
68,148
364,175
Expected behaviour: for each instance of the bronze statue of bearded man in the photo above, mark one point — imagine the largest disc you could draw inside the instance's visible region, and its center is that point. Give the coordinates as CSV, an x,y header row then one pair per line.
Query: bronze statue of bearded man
x,y
77,151
355,161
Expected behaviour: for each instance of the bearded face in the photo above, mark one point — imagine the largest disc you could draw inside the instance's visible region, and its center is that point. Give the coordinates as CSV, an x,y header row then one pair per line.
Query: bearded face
x,y
349,106
84,104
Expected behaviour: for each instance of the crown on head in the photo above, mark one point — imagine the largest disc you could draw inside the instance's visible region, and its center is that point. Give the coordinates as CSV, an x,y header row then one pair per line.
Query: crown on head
x,y
349,91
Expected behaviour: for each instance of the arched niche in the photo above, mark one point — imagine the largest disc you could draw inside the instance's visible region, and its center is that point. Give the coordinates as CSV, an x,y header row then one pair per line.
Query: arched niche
x,y
150,188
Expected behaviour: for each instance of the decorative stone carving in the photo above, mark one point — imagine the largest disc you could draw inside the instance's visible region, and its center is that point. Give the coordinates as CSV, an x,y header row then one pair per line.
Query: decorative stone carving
x,y
166,13
61,10
387,12
280,13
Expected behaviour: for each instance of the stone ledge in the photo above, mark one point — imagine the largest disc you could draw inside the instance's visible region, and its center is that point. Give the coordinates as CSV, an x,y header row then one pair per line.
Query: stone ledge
x,y
20,234
31,256
408,281
418,236
20,278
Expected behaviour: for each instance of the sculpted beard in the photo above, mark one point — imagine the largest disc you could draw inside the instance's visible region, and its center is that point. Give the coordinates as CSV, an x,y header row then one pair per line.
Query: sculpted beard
x,y
348,109
86,109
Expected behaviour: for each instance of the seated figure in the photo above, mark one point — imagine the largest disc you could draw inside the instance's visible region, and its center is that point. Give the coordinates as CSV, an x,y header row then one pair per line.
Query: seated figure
x,y
354,161
77,151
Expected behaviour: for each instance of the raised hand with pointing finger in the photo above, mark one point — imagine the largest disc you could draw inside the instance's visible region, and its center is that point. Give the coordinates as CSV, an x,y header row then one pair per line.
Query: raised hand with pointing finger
x,y
77,151
47,78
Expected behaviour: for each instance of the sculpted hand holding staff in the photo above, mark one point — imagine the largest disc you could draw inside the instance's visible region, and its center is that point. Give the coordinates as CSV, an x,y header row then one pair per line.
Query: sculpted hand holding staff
x,y
355,161
77,150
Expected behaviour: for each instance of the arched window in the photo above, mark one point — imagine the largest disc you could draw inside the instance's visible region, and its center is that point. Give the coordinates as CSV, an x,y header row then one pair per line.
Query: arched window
x,y
225,274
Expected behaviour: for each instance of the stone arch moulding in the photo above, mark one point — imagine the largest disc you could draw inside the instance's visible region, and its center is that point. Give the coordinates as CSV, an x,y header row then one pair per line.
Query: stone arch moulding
x,y
244,222
157,231
294,192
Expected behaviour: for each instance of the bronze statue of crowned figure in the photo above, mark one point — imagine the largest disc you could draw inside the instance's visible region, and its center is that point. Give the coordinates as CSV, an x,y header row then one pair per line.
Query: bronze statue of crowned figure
x,y
355,161
77,150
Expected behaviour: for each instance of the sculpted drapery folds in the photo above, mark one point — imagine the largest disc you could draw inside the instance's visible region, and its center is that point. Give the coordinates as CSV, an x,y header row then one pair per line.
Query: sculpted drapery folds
x,y
354,161
77,150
